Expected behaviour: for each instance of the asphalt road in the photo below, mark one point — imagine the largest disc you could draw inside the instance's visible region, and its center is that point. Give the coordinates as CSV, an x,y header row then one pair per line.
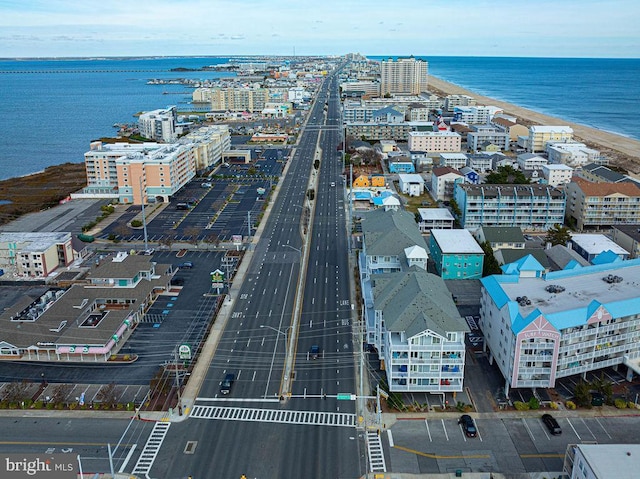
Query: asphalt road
x,y
253,344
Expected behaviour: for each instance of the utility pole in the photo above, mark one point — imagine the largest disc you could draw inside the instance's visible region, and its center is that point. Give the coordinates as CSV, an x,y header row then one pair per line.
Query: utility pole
x,y
144,221
177,382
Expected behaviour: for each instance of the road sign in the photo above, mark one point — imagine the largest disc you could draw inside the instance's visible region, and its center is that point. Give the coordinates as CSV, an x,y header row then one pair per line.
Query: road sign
x,y
184,351
345,397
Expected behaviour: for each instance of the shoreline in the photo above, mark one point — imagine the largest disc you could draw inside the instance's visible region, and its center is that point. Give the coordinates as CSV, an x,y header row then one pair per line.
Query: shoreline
x,y
621,150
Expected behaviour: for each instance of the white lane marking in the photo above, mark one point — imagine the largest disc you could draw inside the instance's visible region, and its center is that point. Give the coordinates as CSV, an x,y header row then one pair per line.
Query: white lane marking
x,y
390,437
574,429
605,431
426,423
585,425
445,429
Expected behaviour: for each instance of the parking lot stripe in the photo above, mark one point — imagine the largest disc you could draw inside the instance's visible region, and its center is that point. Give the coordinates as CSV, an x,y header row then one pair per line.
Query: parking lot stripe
x,y
426,423
605,431
390,437
590,431
526,426
574,429
445,429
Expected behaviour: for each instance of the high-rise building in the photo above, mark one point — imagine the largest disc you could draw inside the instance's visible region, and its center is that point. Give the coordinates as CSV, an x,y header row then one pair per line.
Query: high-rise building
x,y
403,76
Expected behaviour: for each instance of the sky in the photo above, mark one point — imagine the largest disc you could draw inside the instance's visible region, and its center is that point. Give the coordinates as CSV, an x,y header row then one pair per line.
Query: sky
x,y
521,28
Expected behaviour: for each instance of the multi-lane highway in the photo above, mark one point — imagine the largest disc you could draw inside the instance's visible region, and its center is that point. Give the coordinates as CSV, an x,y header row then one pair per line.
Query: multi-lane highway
x,y
282,417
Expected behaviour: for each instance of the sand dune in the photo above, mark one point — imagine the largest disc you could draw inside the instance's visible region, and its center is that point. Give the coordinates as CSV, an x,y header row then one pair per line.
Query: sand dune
x,y
623,152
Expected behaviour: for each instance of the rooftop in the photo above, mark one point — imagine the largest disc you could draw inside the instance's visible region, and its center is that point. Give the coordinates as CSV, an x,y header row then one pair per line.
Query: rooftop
x,y
456,241
597,243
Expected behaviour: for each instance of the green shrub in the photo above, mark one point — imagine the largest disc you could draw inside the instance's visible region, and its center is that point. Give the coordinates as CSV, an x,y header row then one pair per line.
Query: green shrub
x,y
534,403
620,403
130,406
50,405
570,405
521,406
553,405
38,405
136,224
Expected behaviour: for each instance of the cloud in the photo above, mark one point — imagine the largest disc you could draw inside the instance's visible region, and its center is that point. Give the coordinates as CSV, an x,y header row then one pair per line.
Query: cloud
x,y
109,27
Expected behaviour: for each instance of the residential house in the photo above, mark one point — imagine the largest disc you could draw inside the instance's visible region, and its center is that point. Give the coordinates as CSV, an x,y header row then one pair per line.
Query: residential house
x,y
438,218
412,185
573,153
628,237
501,237
400,164
453,160
457,255
443,179
470,175
590,246
557,175
530,161
483,134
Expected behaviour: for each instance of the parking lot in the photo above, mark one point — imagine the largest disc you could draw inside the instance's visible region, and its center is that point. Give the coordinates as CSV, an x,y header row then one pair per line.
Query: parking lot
x,y
514,444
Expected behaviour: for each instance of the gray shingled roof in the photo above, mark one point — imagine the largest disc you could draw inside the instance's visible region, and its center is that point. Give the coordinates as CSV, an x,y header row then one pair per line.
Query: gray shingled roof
x,y
390,232
416,301
503,234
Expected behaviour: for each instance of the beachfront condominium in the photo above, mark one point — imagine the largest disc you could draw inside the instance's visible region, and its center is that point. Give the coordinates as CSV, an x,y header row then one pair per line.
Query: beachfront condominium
x,y
540,327
434,141
159,125
540,135
602,205
573,153
403,76
530,207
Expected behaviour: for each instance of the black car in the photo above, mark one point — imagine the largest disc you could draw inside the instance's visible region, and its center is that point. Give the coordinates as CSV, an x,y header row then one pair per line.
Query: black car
x,y
552,425
227,382
186,265
468,425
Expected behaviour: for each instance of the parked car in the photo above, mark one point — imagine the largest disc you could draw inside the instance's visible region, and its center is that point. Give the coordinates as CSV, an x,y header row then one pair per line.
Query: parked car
x,y
227,382
468,425
186,265
206,185
177,281
314,352
552,425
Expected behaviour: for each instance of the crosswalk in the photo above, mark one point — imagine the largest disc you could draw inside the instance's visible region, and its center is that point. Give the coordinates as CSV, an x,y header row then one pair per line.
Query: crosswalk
x,y
375,452
274,416
151,448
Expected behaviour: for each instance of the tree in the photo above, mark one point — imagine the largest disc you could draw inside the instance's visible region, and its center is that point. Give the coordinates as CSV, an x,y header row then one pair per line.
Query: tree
x,y
558,234
506,175
192,232
582,394
604,387
108,395
490,265
167,241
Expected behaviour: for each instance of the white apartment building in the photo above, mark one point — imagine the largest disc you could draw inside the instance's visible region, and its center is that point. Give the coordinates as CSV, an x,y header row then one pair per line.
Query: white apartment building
x,y
602,461
557,174
159,125
531,161
209,142
541,327
454,160
487,134
540,135
360,88
434,141
474,115
573,153
403,76
443,179
34,255
435,218
452,101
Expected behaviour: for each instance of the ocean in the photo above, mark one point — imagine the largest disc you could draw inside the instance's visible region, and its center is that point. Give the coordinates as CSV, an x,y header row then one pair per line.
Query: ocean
x,y
52,109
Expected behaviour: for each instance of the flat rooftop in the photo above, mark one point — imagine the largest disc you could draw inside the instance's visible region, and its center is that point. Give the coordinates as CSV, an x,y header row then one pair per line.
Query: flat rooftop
x,y
456,241
581,287
597,243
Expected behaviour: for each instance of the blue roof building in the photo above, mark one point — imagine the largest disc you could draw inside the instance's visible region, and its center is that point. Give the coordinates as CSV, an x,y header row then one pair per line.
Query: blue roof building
x,y
539,327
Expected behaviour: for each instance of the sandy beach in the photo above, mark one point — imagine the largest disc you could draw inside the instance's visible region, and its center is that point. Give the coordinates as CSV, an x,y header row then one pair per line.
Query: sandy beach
x,y
622,151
